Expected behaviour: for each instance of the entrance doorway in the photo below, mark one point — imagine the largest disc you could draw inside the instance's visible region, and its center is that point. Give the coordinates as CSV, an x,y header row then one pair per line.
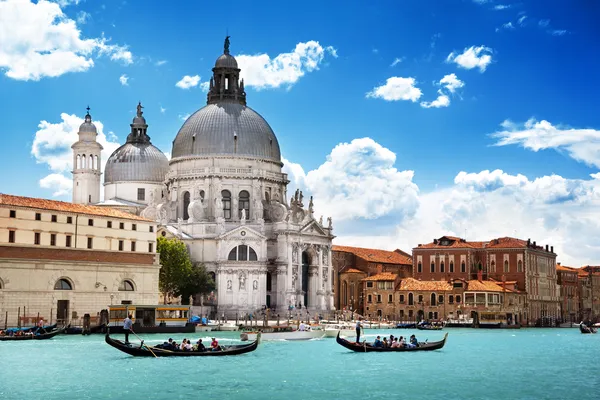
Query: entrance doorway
x,y
305,277
268,301
62,311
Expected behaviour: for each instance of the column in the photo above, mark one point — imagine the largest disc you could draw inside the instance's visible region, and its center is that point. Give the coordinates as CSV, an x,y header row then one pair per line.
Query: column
x,y
320,287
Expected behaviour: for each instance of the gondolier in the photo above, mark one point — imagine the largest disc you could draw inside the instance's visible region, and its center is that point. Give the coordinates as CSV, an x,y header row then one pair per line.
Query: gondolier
x,y
127,324
358,328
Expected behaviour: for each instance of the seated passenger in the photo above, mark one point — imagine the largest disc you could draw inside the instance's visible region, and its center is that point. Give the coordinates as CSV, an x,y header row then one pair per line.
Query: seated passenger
x,y
385,342
395,344
214,345
187,345
378,342
402,342
413,341
200,346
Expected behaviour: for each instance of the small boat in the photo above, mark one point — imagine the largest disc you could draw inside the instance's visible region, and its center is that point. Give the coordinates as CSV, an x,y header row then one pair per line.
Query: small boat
x,y
428,327
367,347
42,336
331,330
228,327
285,335
406,325
143,350
586,329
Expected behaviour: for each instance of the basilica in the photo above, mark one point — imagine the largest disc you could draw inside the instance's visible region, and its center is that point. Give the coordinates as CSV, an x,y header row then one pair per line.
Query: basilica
x,y
224,194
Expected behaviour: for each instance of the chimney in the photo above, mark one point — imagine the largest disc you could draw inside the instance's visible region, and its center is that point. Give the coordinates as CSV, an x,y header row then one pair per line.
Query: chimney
x,y
558,263
528,242
534,245
546,247
551,249
480,276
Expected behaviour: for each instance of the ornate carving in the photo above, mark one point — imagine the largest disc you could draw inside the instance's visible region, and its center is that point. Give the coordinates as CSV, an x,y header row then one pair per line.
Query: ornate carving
x,y
242,278
150,213
325,274
229,285
329,223
311,207
255,285
294,277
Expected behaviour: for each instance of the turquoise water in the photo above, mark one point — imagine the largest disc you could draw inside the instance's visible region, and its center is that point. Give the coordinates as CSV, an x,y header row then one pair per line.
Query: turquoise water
x,y
475,364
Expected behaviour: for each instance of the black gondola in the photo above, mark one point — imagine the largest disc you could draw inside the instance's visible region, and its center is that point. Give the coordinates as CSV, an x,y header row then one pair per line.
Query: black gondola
x,y
429,328
144,351
41,336
586,329
367,347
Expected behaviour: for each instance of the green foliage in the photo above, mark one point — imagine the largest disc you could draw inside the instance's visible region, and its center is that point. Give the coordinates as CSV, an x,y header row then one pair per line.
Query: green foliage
x,y
178,276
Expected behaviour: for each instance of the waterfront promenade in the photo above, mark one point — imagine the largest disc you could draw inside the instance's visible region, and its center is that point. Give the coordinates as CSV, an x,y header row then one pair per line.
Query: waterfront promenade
x,y
475,364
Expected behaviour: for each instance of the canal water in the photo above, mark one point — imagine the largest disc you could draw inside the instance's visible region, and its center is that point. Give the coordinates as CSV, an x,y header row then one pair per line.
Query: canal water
x,y
475,364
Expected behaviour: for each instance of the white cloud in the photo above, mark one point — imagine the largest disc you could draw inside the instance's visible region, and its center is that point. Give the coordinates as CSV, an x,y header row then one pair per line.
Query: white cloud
x,y
160,62
522,19
65,3
559,32
205,86
501,7
38,40
162,110
83,17
188,82
60,184
124,79
397,88
358,180
472,57
184,117
507,26
580,144
544,23
263,72
441,101
397,61
52,146
451,82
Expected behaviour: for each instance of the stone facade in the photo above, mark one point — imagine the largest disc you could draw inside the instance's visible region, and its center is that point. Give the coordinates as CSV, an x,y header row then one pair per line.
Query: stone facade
x,y
63,260
589,294
569,293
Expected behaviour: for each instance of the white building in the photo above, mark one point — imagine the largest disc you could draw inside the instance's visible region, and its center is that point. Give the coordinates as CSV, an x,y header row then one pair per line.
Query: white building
x,y
63,260
224,194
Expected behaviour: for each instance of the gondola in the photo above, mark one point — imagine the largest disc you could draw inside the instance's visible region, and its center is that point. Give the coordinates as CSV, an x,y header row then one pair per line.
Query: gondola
x,y
142,350
586,329
367,348
429,328
42,336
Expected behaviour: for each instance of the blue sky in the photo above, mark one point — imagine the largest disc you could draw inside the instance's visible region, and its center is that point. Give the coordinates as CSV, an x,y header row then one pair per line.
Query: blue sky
x,y
512,61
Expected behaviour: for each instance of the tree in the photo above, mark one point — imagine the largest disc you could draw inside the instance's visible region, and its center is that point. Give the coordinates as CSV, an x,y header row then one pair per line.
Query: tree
x,y
175,268
178,277
198,282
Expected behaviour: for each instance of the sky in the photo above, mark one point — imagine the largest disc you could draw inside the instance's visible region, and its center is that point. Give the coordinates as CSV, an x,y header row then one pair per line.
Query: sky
x,y
406,120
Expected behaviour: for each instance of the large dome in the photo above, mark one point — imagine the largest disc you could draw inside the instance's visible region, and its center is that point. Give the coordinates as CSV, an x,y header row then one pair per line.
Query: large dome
x,y
136,162
226,128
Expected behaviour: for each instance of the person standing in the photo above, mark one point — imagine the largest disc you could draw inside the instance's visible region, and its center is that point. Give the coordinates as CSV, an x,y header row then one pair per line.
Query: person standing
x,y
359,326
127,324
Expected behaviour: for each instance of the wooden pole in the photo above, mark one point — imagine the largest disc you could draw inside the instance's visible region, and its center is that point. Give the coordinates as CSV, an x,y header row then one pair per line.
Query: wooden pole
x,y
50,323
6,321
38,318
19,318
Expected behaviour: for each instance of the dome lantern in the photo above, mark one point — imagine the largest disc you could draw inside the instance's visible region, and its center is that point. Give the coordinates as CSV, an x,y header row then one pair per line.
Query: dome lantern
x,y
225,82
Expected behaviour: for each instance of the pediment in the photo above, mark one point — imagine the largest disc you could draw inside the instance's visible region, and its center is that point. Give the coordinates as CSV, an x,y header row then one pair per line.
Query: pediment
x,y
313,228
242,232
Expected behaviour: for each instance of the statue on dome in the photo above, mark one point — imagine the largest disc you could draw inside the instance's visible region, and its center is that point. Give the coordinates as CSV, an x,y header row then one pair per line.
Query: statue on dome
x,y
329,223
321,221
311,206
226,46
139,109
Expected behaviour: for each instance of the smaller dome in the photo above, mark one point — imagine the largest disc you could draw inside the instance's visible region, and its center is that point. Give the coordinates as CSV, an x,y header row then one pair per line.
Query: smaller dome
x,y
226,61
136,162
139,121
88,128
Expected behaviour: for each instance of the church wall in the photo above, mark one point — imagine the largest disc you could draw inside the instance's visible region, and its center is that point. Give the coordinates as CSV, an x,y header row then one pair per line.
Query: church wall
x,y
129,191
30,284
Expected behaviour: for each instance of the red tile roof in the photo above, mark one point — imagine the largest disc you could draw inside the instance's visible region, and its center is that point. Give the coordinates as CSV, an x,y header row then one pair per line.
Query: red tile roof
x,y
375,255
53,205
566,269
412,284
353,271
456,243
383,276
486,286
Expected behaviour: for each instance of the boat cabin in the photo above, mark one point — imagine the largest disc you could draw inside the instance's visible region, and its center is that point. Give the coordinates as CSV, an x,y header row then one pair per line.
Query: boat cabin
x,y
150,315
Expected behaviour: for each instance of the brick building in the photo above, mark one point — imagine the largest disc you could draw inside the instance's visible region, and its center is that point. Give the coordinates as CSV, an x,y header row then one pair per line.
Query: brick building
x,y
352,264
62,260
532,267
380,292
589,294
568,284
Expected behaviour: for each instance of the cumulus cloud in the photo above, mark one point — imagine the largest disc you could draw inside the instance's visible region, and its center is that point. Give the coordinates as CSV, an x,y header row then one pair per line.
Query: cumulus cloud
x,y
284,70
397,88
449,83
472,57
52,146
358,181
124,79
160,63
38,40
58,183
581,144
188,82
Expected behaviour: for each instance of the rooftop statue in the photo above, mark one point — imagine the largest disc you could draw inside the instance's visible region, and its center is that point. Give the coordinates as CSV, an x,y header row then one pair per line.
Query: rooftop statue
x,y
226,46
139,109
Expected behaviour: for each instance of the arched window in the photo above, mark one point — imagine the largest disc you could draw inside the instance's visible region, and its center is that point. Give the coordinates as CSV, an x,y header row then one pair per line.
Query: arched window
x,y
411,299
433,299
242,253
432,267
78,162
493,266
463,267
186,203
451,266
226,195
506,267
126,286
420,298
442,266
63,284
520,266
419,267
244,203
83,161
96,166
267,197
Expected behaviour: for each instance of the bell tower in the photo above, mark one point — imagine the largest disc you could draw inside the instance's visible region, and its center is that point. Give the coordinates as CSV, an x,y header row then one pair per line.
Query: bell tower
x,y
225,84
86,164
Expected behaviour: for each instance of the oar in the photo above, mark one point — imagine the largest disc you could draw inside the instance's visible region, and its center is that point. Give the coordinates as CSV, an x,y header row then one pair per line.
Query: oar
x,y
143,343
